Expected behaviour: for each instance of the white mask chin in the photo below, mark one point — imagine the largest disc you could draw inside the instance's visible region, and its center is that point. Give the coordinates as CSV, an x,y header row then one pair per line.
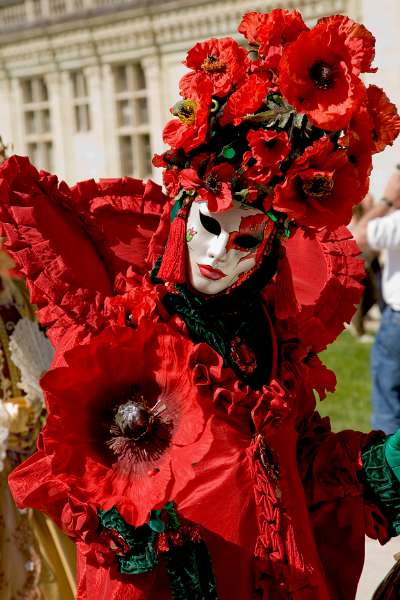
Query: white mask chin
x,y
222,246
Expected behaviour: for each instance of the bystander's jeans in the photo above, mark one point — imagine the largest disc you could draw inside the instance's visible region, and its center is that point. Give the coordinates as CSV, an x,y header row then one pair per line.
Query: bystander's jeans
x,y
385,362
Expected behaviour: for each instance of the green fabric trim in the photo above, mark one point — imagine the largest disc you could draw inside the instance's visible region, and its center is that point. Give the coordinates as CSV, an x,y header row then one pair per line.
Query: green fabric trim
x,y
190,572
142,556
383,483
188,565
217,320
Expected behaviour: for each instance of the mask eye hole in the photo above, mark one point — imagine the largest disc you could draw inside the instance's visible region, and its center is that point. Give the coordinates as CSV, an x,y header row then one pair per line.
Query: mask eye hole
x,y
211,225
246,242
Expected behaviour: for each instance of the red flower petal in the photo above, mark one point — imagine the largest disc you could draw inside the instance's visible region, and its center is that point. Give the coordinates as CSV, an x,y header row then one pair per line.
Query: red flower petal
x,y
246,100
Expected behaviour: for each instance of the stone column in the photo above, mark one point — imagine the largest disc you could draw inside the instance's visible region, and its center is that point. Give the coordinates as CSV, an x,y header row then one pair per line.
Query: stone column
x,y
7,122
152,68
109,116
17,118
97,118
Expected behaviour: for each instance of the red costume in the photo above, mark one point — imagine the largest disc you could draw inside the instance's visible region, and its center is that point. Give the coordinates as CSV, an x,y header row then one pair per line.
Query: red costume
x,y
265,497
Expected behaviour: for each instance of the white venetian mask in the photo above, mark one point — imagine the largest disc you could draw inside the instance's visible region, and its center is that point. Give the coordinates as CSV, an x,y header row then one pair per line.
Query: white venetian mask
x,y
222,246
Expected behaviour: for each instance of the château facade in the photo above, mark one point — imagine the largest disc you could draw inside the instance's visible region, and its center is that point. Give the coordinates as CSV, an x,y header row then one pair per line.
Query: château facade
x,y
86,85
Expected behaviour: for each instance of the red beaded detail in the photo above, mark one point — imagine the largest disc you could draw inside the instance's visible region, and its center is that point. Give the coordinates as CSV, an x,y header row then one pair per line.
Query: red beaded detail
x,y
243,356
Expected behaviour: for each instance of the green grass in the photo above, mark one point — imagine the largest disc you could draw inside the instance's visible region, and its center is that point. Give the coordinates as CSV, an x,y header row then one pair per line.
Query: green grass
x,y
350,406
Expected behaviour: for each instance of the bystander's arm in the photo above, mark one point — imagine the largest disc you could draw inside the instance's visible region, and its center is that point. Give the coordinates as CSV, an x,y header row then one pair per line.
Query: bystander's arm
x,y
390,201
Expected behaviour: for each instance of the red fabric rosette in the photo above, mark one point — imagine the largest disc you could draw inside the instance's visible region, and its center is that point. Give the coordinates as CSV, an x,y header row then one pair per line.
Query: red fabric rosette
x,y
125,424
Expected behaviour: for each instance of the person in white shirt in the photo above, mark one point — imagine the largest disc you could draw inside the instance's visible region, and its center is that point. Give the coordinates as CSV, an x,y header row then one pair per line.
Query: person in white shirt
x,y
379,229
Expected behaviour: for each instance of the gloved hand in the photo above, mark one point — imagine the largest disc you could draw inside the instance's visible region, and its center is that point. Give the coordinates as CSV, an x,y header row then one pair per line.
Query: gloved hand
x,y
392,453
381,466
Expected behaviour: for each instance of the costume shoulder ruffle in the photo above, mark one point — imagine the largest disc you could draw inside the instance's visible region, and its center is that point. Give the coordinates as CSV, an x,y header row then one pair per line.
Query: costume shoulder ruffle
x,y
327,273
70,244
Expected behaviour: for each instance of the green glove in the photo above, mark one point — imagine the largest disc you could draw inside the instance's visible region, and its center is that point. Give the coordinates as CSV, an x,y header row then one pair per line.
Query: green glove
x,y
392,453
381,466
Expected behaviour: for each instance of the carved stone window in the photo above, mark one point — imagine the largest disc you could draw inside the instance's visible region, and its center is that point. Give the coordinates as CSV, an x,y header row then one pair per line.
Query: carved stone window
x,y
133,128
81,102
37,122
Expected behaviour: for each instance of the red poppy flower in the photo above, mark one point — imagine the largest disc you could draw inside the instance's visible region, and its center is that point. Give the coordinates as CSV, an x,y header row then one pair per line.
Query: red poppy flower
x,y
191,128
358,142
214,188
255,172
220,61
125,424
359,41
320,188
319,71
271,32
269,148
245,101
386,121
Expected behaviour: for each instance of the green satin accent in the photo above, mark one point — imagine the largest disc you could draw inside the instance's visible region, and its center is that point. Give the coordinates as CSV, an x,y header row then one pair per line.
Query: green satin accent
x,y
190,572
188,564
392,453
218,319
142,556
383,482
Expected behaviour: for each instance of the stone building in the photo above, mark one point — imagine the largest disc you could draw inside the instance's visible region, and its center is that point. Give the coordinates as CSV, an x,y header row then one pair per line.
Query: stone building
x,y
86,85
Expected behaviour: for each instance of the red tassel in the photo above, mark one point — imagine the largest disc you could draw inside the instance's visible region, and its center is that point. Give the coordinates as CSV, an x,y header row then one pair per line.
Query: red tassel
x,y
160,236
173,264
286,304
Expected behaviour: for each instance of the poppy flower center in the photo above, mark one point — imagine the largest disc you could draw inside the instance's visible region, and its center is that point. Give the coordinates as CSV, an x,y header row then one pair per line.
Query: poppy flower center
x,y
319,186
134,419
185,111
140,432
213,64
322,75
213,184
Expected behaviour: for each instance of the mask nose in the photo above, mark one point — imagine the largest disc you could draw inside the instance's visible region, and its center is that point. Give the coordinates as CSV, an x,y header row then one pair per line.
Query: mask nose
x,y
217,248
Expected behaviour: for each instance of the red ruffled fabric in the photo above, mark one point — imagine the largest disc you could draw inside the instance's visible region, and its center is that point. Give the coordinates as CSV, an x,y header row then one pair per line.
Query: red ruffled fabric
x,y
71,244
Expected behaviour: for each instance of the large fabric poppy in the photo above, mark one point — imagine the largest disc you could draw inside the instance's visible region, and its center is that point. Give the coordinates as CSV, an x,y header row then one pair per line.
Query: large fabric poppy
x,y
319,72
220,61
125,425
320,188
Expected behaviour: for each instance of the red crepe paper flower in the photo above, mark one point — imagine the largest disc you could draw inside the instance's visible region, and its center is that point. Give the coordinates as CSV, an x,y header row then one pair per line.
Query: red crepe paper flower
x,y
214,188
319,71
268,148
222,62
358,142
359,41
125,425
245,101
271,32
320,188
386,121
191,128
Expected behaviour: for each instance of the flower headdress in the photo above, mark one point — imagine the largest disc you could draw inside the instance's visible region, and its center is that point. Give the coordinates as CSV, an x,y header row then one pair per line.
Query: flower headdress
x,y
286,125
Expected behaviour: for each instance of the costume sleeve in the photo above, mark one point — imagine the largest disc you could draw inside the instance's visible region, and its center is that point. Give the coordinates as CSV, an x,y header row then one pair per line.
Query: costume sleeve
x,y
384,232
331,467
71,244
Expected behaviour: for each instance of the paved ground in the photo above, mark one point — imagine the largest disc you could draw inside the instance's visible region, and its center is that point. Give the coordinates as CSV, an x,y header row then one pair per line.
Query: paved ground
x,y
378,561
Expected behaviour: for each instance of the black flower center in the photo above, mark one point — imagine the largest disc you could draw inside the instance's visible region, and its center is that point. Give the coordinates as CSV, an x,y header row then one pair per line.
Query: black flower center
x,y
213,184
134,419
319,186
213,64
322,75
140,433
